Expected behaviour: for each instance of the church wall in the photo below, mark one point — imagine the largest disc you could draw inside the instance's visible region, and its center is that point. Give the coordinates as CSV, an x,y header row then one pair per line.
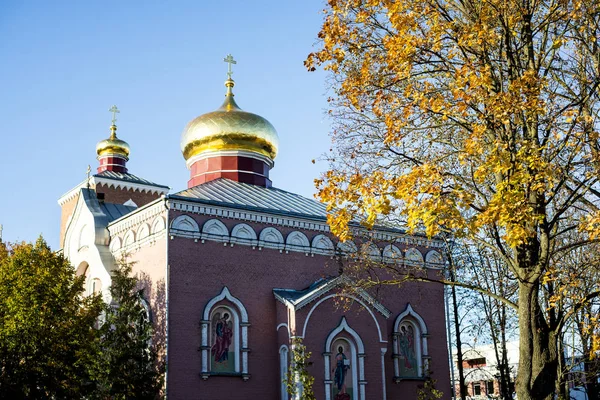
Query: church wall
x,y
65,213
149,265
199,271
121,195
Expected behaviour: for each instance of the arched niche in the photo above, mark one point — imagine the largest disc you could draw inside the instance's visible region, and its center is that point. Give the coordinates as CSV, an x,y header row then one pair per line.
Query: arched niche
x,y
185,226
213,325
410,352
347,248
143,231
215,230
413,257
321,244
345,369
434,259
297,241
392,254
271,238
244,234
158,225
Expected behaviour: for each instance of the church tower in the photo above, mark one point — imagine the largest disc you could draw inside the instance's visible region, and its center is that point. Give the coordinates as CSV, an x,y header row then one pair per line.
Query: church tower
x,y
229,143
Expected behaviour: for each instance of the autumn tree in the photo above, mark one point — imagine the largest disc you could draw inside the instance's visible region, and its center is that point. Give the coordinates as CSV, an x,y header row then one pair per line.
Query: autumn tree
x,y
479,119
48,341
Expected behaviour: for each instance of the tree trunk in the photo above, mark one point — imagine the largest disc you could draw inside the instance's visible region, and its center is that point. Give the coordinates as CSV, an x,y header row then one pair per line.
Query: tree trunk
x,y
538,355
459,356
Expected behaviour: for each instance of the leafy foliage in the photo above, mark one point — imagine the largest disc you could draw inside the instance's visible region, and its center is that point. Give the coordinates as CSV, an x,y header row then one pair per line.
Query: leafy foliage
x,y
48,343
129,362
299,381
478,119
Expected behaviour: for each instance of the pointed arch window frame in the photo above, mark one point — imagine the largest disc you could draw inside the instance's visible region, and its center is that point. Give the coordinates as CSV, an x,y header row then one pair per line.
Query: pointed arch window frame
x,y
242,351
360,354
421,333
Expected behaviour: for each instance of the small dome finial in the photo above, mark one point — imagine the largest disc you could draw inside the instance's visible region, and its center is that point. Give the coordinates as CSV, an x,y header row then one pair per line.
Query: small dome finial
x,y
229,83
113,127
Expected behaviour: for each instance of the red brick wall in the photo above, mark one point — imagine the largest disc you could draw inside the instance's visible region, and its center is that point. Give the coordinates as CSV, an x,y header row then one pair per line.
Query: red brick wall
x,y
198,273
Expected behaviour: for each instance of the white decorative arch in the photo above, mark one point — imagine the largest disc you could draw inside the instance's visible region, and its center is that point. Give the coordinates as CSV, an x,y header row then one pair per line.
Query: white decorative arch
x,y
271,238
371,250
158,225
225,294
129,238
284,325
143,231
243,234
83,239
321,244
391,254
421,335
115,244
214,229
413,257
343,326
297,241
347,248
185,226
358,378
356,299
242,322
434,259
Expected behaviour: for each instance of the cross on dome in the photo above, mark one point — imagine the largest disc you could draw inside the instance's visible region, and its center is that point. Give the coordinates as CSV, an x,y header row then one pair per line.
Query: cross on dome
x,y
229,60
114,110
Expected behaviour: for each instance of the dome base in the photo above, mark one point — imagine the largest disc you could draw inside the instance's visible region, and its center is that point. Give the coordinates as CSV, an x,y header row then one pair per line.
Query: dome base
x,y
112,162
235,167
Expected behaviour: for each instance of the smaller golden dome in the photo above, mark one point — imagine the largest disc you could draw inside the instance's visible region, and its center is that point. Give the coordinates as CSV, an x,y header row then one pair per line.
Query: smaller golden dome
x,y
112,145
229,128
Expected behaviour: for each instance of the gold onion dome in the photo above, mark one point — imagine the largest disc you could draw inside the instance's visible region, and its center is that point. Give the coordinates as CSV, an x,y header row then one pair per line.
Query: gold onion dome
x,y
229,129
112,145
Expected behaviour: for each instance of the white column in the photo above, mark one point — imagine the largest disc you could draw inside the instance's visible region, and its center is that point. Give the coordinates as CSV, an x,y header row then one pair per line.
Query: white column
x,y
383,393
244,352
283,371
326,358
361,376
395,355
205,348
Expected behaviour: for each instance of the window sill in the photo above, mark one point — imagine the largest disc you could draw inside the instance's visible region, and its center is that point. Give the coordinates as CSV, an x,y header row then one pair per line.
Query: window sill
x,y
398,379
206,375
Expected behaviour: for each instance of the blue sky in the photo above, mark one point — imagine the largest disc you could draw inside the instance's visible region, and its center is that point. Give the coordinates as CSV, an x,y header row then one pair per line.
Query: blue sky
x,y
63,64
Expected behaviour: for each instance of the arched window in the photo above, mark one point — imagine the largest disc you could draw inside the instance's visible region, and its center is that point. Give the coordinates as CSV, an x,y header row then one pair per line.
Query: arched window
x,y
96,287
283,371
225,337
344,364
410,355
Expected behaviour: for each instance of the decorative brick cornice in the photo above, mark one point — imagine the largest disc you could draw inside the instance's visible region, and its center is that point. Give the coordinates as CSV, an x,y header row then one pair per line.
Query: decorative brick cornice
x,y
317,225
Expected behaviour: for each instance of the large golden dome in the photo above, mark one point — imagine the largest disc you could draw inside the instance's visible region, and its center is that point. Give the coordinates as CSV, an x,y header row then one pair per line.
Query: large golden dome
x,y
229,128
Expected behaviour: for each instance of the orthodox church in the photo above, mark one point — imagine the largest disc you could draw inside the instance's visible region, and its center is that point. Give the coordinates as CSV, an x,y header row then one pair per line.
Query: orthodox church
x,y
234,269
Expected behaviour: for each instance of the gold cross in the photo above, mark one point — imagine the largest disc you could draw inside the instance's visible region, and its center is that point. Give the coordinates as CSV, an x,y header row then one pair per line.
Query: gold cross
x,y
229,59
115,111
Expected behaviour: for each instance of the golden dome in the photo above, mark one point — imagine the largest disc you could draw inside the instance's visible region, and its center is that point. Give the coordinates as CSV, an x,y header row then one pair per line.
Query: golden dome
x,y
229,128
112,145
